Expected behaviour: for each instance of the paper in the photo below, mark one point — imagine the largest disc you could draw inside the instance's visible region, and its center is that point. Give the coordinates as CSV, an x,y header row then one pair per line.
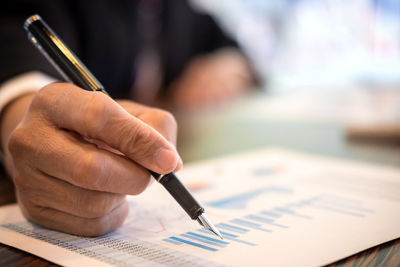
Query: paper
x,y
274,208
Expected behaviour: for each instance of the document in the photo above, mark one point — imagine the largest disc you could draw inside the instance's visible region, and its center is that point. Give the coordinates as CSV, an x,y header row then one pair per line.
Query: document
x,y
273,208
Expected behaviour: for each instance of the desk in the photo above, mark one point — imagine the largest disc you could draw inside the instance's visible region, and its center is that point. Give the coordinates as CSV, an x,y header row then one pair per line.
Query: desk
x,y
218,133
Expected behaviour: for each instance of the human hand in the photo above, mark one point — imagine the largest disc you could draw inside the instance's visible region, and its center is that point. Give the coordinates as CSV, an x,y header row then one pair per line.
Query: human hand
x,y
211,80
66,182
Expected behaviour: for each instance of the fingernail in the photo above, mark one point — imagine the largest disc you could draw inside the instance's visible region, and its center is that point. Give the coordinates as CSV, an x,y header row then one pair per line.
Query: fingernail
x,y
166,159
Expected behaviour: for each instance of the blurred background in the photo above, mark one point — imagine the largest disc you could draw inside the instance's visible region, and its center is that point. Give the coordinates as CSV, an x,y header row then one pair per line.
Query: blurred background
x,y
330,72
299,43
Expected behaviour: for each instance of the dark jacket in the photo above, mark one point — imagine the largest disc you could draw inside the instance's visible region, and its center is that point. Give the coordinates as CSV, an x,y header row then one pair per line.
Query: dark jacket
x,y
108,35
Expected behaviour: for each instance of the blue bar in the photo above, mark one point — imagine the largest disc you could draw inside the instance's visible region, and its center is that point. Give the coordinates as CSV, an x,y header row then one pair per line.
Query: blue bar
x,y
230,229
193,243
344,205
337,210
259,219
361,209
306,202
291,212
233,228
205,231
225,234
340,199
237,201
265,220
279,225
239,241
172,241
250,224
209,238
203,240
271,214
290,205
285,210
228,236
246,223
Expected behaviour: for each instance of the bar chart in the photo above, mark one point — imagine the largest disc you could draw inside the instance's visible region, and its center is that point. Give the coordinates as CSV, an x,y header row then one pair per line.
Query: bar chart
x,y
240,201
235,230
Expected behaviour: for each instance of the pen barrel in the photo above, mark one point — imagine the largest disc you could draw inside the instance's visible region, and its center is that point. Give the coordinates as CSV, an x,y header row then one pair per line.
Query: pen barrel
x,y
181,195
61,57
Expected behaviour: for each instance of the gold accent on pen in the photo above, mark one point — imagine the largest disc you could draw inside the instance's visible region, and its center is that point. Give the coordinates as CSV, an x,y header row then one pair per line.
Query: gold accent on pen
x,y
72,58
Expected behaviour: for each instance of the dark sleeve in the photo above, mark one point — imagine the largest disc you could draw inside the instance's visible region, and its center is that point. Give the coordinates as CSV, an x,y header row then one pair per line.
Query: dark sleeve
x,y
187,34
17,54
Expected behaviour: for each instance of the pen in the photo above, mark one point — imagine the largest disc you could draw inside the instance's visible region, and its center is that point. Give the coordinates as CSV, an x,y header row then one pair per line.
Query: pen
x,y
74,71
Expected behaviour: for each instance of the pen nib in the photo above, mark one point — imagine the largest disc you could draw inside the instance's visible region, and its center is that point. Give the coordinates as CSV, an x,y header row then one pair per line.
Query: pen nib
x,y
204,221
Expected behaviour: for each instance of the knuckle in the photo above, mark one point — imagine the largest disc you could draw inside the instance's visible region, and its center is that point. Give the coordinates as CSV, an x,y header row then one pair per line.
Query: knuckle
x,y
48,99
40,98
102,225
100,204
99,226
45,95
95,108
19,142
166,119
88,172
95,228
138,139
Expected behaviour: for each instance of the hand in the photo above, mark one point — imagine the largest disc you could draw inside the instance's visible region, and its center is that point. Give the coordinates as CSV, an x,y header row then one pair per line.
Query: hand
x,y
66,182
211,80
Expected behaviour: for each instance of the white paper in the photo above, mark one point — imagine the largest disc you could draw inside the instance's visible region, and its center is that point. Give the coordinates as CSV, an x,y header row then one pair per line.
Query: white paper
x,y
274,208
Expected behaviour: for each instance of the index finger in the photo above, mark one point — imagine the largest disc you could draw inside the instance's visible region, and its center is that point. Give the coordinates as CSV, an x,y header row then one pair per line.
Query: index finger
x,y
97,116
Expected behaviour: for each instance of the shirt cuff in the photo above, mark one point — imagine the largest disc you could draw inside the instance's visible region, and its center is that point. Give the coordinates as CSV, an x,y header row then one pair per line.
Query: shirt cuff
x,y
22,84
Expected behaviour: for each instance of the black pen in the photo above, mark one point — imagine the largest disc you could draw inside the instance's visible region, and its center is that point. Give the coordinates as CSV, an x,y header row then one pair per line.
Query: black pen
x,y
73,70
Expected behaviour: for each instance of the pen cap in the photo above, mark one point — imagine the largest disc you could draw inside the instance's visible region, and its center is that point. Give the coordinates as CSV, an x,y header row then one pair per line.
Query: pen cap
x,y
62,58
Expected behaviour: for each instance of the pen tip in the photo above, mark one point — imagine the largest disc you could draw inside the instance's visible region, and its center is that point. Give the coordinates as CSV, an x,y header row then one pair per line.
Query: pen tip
x,y
204,221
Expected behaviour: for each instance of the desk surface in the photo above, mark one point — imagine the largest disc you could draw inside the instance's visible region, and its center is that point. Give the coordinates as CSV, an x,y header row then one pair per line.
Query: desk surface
x,y
218,135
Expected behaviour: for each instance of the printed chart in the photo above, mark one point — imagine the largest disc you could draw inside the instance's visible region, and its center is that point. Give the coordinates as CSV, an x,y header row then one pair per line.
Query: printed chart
x,y
266,204
266,220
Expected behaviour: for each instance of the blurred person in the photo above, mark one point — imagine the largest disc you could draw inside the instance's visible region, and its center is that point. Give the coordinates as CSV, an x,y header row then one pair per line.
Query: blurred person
x,y
73,155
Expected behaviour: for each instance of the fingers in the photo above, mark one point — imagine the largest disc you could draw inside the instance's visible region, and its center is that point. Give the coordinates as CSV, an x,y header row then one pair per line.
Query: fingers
x,y
69,158
162,121
65,222
95,115
46,191
67,208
